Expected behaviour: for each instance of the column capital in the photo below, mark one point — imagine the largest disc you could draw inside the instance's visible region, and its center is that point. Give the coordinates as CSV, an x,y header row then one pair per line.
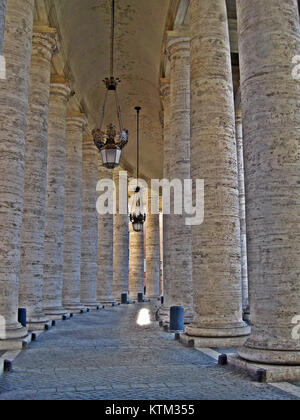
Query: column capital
x,y
44,42
59,86
178,42
77,120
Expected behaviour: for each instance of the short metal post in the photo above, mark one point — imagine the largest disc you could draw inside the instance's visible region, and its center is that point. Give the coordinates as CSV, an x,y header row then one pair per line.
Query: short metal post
x,y
22,316
177,318
124,298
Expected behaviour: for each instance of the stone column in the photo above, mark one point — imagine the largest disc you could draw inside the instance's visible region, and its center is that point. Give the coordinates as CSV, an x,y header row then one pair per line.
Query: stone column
x,y
105,250
180,236
269,39
242,203
121,247
216,243
152,254
73,213
136,263
89,236
33,224
165,94
14,92
2,22
55,199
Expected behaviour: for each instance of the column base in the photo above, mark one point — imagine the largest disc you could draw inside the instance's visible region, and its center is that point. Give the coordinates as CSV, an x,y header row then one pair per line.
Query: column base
x,y
109,303
56,314
233,336
38,323
210,342
75,309
264,372
270,357
13,331
12,337
92,305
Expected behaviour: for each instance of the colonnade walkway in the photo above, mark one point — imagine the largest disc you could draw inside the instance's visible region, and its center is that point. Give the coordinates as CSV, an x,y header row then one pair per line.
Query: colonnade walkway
x,y
107,355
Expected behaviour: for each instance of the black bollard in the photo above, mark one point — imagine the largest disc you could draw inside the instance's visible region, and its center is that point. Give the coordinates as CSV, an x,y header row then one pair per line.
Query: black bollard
x,y
124,298
7,366
140,297
162,300
177,318
22,316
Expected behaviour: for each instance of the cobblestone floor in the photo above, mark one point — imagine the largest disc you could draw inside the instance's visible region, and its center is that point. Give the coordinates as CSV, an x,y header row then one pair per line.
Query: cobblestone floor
x,y
106,355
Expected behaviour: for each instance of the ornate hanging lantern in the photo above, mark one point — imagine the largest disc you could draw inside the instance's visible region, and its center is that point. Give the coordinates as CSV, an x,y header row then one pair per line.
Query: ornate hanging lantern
x,y
137,211
111,142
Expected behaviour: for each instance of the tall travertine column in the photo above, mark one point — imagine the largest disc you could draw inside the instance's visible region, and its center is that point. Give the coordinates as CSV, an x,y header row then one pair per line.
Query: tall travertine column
x,y
136,263
14,92
242,202
55,198
216,243
89,236
105,250
121,244
165,94
73,213
2,22
269,39
152,254
180,236
33,224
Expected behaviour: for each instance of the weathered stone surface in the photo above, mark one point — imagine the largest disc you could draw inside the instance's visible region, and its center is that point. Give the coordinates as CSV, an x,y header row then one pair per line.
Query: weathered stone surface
x,y
55,198
180,236
14,92
152,254
89,236
165,93
242,203
136,263
269,39
73,213
105,249
33,223
2,22
121,249
216,243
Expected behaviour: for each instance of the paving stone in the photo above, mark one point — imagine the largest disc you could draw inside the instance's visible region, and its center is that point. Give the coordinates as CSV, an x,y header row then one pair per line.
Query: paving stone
x,y
126,362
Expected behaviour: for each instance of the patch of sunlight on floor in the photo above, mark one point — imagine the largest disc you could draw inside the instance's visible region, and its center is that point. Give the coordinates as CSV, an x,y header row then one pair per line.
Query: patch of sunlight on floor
x,y
144,317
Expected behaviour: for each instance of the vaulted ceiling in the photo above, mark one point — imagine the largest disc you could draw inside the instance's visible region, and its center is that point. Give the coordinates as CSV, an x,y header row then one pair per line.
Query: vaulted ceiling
x,y
84,31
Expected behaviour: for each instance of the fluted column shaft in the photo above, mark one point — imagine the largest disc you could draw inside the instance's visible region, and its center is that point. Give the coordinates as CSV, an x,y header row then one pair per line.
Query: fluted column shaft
x,y
152,255
269,39
242,202
105,250
73,213
2,22
216,243
136,263
14,92
121,248
89,237
180,236
55,199
33,224
165,93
